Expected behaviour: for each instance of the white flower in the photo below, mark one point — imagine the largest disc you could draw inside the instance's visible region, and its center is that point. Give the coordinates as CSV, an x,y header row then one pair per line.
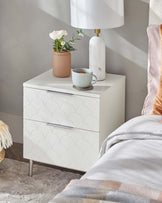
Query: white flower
x,y
63,43
57,34
64,32
81,34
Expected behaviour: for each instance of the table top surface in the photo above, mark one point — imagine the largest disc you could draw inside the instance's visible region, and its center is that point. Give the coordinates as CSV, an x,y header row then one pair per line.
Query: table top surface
x,y
46,81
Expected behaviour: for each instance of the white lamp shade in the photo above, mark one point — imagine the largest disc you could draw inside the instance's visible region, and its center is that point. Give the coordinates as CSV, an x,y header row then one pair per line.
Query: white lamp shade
x,y
97,14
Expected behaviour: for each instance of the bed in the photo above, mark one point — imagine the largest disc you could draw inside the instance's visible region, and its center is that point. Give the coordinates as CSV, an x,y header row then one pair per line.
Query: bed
x,y
130,167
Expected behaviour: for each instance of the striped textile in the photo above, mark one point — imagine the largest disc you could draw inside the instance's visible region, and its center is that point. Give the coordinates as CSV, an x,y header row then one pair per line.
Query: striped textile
x,y
100,191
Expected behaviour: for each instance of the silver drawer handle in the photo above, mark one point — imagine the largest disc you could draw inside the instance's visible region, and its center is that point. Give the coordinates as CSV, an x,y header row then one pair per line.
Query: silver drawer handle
x,y
59,126
50,91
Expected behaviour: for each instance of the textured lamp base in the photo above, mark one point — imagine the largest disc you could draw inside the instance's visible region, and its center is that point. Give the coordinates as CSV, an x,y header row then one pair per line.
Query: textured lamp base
x,y
97,57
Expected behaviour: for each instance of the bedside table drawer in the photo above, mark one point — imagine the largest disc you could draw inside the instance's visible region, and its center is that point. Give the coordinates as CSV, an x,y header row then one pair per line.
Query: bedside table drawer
x,y
71,148
61,108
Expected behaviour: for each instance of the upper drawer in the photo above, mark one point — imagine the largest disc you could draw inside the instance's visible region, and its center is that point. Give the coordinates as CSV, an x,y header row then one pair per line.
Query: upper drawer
x,y
60,108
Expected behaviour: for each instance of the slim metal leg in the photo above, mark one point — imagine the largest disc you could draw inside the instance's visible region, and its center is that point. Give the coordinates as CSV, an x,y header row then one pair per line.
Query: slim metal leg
x,y
30,168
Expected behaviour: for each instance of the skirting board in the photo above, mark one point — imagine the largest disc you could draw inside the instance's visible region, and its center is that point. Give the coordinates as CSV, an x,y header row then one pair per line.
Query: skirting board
x,y
15,152
15,123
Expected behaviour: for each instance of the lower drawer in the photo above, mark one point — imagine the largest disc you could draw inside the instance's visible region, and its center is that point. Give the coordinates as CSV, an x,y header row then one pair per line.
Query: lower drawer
x,y
66,147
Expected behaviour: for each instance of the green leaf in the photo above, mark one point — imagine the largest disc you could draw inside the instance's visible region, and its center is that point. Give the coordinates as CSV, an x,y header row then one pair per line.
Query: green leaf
x,y
68,45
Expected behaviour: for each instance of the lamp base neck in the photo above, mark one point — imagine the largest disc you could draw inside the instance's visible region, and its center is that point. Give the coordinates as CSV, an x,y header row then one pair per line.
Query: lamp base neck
x,y
97,31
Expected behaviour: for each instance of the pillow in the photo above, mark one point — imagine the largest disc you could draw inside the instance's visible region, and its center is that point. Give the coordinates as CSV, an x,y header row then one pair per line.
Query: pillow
x,y
157,108
154,68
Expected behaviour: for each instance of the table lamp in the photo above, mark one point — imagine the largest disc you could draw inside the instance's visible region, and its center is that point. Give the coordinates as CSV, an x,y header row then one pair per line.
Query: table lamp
x,y
97,14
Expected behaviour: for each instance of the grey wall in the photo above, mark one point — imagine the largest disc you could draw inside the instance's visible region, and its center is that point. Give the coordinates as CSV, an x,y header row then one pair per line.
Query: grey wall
x,y
26,50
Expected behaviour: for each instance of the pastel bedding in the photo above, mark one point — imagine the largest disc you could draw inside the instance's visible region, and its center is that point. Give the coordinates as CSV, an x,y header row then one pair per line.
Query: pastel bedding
x,y
130,155
157,108
90,191
153,101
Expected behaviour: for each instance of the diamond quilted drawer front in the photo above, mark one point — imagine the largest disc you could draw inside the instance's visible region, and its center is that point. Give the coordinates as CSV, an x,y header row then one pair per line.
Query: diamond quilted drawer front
x,y
59,108
71,148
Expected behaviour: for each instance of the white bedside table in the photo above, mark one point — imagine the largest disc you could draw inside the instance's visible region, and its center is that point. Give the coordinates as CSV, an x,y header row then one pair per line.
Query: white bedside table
x,y
66,127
